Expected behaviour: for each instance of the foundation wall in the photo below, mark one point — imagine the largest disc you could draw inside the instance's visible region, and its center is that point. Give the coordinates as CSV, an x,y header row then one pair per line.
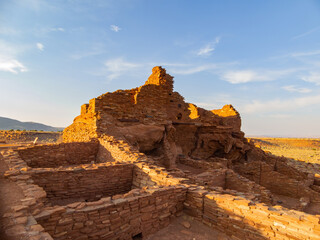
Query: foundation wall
x,y
238,183
109,219
146,172
55,155
29,136
81,184
243,219
278,183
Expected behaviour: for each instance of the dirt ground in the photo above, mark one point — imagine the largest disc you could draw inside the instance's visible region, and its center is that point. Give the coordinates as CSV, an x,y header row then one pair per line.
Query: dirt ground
x,y
301,149
187,228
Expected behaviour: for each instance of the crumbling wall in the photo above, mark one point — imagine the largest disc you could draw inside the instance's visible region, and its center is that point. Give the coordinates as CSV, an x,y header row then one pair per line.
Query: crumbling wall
x,y
243,219
146,171
79,184
55,155
122,218
278,177
29,136
84,127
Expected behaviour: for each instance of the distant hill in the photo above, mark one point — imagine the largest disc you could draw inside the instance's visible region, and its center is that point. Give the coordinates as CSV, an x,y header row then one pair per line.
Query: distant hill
x,y
8,123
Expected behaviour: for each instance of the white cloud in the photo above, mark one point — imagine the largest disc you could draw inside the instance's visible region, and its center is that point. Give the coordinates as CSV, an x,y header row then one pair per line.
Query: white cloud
x,y
292,88
11,65
8,61
307,53
117,67
313,77
187,70
57,29
209,48
280,105
8,31
115,28
245,76
236,77
306,33
40,46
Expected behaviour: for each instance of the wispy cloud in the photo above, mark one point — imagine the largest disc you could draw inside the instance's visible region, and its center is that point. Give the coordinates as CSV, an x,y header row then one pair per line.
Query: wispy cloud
x,y
115,28
292,88
40,46
8,31
245,76
192,69
36,5
56,29
208,49
11,65
94,50
8,61
306,33
117,67
313,77
305,54
280,105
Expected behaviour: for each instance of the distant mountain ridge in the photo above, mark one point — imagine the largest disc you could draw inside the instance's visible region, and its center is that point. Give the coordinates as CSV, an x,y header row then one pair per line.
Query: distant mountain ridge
x,y
8,124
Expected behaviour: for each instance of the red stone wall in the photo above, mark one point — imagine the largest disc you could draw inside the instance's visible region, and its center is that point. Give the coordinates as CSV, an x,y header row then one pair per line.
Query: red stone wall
x,y
29,136
78,184
56,155
242,219
122,218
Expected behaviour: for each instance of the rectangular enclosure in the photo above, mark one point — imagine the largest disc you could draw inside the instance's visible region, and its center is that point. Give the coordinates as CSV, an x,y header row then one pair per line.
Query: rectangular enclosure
x,y
138,213
78,184
56,155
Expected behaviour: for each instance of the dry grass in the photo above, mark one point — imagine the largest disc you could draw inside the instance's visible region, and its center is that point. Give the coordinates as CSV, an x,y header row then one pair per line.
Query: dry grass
x,y
302,149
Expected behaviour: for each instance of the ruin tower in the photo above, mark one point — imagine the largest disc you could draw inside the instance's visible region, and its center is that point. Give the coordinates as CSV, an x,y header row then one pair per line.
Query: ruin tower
x,y
157,120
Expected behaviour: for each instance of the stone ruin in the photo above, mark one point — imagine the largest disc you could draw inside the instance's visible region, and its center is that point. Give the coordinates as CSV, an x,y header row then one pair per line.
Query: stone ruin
x,y
135,159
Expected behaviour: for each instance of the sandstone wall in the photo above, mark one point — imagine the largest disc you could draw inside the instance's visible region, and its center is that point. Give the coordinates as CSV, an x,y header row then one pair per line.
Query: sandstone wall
x,y
243,219
84,127
80,184
282,182
122,218
146,172
153,103
56,155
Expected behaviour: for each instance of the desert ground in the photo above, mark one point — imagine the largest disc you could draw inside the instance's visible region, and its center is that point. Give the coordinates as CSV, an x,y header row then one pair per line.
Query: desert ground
x,y
300,149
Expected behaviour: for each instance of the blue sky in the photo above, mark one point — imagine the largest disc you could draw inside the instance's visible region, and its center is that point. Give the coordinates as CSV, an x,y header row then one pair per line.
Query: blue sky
x,y
261,56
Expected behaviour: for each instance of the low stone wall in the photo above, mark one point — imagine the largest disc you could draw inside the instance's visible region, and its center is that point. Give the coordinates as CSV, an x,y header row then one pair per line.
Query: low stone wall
x,y
84,184
240,184
138,212
268,176
243,219
55,155
212,163
29,136
146,171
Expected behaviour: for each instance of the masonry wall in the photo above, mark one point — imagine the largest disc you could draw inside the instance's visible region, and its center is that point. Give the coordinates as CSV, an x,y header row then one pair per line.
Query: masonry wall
x,y
80,184
238,183
121,218
243,219
28,136
278,182
55,155
146,172
84,126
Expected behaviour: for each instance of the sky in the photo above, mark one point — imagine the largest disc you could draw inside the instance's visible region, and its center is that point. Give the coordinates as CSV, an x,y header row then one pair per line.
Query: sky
x,y
263,57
